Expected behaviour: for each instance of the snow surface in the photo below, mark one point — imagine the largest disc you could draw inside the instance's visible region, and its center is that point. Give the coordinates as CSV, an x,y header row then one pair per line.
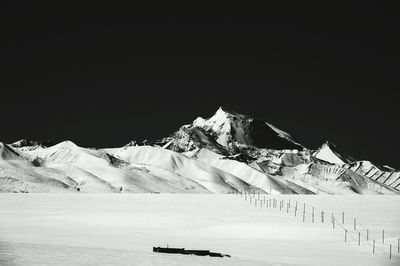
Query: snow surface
x,y
121,229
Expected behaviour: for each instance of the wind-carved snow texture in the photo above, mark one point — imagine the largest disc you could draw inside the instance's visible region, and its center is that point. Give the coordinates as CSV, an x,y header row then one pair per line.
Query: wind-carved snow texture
x,y
224,153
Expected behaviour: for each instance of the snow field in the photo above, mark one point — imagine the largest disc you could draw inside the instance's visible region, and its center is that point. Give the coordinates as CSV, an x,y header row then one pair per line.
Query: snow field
x,y
381,225
121,229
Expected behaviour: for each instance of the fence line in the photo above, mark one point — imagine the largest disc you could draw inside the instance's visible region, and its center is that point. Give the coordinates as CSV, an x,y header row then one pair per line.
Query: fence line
x,y
272,203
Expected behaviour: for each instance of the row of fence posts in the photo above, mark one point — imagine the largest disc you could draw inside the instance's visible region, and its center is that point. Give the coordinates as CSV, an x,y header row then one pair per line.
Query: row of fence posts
x,y
272,203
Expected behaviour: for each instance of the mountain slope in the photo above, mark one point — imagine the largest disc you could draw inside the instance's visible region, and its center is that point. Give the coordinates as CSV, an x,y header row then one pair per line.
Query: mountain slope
x,y
130,169
383,175
208,176
329,152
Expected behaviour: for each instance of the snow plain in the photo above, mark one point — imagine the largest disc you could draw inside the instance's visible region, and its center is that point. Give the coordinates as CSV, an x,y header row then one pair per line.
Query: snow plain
x,y
121,229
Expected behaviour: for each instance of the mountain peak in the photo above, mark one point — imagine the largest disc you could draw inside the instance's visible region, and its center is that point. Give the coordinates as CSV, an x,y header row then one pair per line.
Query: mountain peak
x,y
231,128
329,152
223,110
67,144
328,144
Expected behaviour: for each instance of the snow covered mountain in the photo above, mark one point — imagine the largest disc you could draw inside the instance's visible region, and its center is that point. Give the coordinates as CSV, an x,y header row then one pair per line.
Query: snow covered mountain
x,y
228,132
221,154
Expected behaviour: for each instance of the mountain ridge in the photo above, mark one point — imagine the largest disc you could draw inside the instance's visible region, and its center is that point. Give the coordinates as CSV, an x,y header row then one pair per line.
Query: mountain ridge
x,y
224,153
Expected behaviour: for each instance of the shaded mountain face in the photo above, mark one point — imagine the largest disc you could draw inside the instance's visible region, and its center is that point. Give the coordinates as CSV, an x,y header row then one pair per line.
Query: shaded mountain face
x,y
7,153
224,153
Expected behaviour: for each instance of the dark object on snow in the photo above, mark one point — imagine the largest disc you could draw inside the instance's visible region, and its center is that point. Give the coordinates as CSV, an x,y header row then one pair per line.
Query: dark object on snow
x,y
189,252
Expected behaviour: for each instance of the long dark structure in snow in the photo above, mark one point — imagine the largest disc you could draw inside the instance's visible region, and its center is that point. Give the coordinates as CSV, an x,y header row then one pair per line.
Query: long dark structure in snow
x,y
189,252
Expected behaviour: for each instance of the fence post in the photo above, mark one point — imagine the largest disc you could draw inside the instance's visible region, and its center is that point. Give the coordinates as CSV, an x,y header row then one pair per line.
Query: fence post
x,y
322,216
287,208
383,235
367,234
312,214
345,235
355,224
359,238
390,251
373,247
398,245
343,218
333,222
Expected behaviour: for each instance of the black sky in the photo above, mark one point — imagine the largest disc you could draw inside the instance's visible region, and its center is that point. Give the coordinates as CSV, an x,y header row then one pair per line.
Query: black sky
x,y
104,75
